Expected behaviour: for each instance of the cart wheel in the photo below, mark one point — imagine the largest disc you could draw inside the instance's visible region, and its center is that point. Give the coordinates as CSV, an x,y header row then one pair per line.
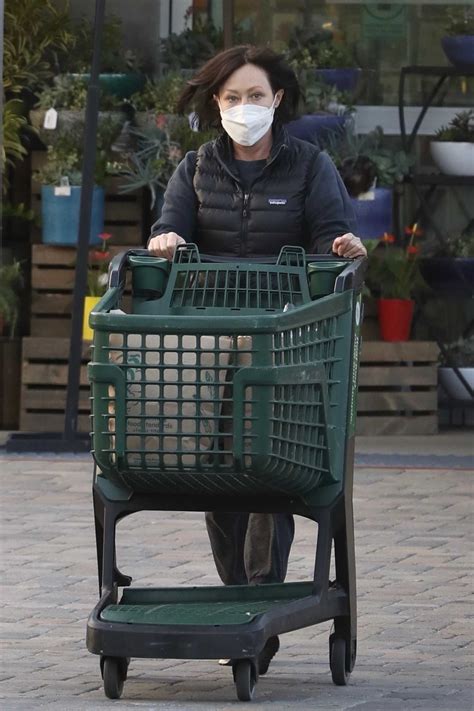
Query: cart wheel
x,y
337,661
244,677
113,677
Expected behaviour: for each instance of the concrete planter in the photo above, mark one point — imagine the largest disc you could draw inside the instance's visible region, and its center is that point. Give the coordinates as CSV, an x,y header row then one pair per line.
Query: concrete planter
x,y
453,158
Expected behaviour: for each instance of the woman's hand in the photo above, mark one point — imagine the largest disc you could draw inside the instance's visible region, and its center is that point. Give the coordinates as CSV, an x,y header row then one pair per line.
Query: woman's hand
x,y
349,246
164,245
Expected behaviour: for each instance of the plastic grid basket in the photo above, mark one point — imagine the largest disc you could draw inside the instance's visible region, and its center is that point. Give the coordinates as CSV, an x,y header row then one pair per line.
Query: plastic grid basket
x,y
247,402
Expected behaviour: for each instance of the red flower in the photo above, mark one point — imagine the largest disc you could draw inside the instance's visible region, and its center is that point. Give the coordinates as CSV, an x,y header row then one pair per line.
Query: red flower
x,y
387,238
99,256
105,236
412,249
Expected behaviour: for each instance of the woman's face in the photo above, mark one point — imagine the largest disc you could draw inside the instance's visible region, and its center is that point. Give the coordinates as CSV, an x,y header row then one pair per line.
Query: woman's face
x,y
247,85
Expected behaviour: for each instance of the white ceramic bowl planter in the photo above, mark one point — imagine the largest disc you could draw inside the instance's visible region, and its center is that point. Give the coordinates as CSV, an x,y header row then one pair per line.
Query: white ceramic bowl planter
x,y
453,158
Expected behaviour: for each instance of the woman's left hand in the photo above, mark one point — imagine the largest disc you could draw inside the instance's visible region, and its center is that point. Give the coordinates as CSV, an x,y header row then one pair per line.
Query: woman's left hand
x,y
349,246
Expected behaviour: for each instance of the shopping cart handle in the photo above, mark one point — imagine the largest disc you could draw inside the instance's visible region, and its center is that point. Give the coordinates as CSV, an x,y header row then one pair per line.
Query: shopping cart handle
x,y
119,263
352,277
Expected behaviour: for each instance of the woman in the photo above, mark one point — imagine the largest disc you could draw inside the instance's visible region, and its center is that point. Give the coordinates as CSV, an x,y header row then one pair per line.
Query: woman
x,y
247,194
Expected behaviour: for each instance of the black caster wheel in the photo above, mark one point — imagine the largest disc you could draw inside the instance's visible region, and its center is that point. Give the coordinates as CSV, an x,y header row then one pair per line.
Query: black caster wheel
x,y
244,677
337,661
114,676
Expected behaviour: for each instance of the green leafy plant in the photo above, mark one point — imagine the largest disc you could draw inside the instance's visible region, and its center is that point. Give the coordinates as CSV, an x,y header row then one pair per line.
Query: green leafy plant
x,y
70,92
11,282
159,95
362,158
454,245
310,47
36,33
64,153
113,58
393,271
13,124
158,152
321,97
460,128
192,47
460,21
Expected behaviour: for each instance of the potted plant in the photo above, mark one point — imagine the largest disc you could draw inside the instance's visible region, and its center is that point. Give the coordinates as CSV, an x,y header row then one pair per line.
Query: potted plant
x,y
158,151
121,73
369,168
458,43
393,277
61,177
453,146
11,282
68,96
188,50
448,266
97,279
157,98
325,110
331,61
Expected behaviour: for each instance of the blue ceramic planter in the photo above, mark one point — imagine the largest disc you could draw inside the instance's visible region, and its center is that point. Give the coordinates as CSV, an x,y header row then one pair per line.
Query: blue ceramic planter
x,y
449,274
344,79
459,50
60,216
315,128
374,217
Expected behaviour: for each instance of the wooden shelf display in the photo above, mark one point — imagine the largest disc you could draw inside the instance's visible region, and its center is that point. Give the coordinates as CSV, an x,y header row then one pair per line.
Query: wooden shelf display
x,y
44,384
398,388
52,285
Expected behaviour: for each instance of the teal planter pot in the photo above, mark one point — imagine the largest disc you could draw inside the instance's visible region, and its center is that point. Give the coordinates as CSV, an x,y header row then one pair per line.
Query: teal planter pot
x,y
120,85
60,215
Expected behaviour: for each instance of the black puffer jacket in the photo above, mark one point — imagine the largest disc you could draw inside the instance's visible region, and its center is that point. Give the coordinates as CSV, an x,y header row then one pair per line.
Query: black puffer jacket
x,y
298,199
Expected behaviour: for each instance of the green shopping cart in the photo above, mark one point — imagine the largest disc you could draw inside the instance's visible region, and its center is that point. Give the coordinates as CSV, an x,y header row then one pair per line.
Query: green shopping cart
x,y
225,386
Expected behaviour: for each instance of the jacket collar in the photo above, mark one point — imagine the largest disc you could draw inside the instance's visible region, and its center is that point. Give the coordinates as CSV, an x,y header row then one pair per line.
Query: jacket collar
x,y
223,144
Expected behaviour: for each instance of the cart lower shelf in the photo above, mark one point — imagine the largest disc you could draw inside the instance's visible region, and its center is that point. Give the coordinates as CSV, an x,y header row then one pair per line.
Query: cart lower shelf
x,y
223,605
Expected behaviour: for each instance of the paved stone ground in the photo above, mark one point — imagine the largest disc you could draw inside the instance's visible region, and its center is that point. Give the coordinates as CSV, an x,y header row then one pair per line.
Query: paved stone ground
x,y
414,557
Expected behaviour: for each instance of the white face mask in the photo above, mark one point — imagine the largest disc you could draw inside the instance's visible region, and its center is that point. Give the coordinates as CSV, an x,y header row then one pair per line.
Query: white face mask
x,y
247,123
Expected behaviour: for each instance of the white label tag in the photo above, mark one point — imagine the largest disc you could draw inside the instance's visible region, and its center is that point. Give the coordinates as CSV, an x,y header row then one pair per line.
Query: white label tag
x,y
369,195
50,119
62,190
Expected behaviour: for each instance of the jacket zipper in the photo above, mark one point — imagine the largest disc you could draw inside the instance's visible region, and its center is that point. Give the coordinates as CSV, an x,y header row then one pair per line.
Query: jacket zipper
x,y
246,198
244,232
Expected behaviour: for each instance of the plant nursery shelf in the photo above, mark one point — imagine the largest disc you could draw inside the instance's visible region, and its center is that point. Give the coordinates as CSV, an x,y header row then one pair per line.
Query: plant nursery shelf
x,y
52,284
44,385
398,388
124,213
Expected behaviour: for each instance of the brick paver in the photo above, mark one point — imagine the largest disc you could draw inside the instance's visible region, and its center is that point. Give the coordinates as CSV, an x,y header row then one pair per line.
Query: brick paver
x,y
414,559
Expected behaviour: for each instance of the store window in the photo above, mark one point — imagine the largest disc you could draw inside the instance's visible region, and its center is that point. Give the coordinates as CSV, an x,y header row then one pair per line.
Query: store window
x,y
382,37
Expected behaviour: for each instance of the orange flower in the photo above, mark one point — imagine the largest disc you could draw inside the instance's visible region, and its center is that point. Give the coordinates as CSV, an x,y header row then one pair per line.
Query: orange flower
x,y
388,238
414,231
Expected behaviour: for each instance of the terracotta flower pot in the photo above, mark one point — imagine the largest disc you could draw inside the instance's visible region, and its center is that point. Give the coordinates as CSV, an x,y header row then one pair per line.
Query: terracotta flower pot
x,y
395,317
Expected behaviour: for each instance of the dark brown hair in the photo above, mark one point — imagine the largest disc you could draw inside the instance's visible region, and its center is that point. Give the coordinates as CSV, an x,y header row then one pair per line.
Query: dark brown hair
x,y
199,92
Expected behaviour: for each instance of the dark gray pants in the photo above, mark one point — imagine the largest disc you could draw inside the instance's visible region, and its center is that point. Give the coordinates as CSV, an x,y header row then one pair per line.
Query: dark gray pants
x,y
250,548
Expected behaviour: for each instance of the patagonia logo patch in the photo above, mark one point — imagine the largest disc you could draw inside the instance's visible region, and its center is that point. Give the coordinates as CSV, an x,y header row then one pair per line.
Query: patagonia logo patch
x,y
277,201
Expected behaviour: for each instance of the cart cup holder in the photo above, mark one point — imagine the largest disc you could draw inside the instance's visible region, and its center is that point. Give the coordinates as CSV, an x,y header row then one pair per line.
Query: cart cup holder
x,y
322,277
149,276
